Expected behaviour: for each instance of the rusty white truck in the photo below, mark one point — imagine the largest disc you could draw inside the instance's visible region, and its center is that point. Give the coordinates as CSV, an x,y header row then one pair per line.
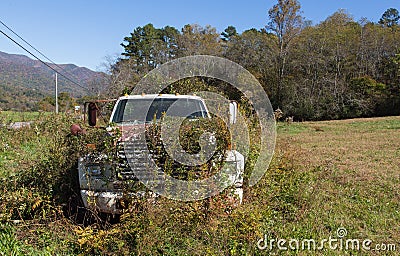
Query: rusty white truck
x,y
104,180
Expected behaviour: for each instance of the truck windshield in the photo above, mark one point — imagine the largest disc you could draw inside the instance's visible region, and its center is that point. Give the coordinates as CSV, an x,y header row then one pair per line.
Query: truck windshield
x,y
146,110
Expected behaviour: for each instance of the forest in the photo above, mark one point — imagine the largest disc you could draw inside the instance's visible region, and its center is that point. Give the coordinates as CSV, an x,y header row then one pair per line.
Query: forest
x,y
336,69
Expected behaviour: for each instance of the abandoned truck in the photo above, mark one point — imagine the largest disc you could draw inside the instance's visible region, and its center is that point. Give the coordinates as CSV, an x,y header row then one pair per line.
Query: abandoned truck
x,y
104,180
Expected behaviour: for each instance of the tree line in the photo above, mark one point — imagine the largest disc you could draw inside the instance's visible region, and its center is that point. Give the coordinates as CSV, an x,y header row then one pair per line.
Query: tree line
x,y
339,68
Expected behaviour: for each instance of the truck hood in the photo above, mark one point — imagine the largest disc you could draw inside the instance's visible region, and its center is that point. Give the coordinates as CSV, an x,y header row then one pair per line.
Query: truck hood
x,y
131,131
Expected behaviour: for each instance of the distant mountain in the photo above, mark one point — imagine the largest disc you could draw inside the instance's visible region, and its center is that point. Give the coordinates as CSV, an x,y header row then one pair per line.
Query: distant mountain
x,y
24,81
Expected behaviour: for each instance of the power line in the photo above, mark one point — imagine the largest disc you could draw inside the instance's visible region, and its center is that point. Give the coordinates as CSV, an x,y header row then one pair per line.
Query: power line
x,y
44,63
15,33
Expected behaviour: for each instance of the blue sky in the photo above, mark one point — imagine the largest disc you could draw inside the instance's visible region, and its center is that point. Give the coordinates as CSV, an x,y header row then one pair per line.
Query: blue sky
x,y
85,32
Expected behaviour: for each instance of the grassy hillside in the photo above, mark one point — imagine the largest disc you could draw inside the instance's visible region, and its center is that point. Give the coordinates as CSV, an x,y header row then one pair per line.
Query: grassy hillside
x,y
24,81
324,176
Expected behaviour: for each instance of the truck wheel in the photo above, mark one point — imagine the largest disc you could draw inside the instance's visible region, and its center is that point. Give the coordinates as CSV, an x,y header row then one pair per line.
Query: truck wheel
x,y
110,218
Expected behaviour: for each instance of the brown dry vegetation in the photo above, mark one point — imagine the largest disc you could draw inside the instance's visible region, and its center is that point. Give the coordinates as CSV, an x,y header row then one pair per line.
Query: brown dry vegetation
x,y
354,167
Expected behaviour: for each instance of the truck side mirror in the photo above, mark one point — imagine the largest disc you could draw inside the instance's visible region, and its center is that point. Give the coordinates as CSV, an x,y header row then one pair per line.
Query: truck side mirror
x,y
92,114
233,109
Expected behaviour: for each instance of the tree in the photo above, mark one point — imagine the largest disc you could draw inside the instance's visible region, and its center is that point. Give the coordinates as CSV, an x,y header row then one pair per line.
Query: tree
x,y
149,47
254,50
196,39
228,33
145,49
286,23
390,18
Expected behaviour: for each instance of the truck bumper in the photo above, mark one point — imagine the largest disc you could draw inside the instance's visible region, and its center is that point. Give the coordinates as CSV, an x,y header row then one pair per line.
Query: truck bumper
x,y
107,202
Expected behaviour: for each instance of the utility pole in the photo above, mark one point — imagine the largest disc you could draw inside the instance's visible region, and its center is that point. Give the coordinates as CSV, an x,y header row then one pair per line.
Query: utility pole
x,y
56,95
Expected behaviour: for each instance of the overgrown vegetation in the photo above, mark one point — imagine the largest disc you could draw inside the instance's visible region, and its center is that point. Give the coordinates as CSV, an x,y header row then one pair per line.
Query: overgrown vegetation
x,y
323,176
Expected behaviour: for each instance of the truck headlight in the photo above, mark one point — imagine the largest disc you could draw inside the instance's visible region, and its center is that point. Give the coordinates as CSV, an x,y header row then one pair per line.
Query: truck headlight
x,y
212,139
94,170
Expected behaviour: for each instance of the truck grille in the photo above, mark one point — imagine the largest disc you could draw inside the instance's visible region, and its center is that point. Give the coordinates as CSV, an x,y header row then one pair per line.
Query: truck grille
x,y
134,157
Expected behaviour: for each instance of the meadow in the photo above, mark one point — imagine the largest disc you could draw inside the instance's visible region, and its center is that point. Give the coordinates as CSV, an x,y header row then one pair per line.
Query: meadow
x,y
325,176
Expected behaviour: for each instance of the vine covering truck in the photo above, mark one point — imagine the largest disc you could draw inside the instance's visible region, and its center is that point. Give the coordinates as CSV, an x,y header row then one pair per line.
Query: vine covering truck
x,y
103,180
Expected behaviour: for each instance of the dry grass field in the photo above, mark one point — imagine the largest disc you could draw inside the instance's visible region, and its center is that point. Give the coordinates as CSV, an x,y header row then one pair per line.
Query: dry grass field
x,y
353,170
